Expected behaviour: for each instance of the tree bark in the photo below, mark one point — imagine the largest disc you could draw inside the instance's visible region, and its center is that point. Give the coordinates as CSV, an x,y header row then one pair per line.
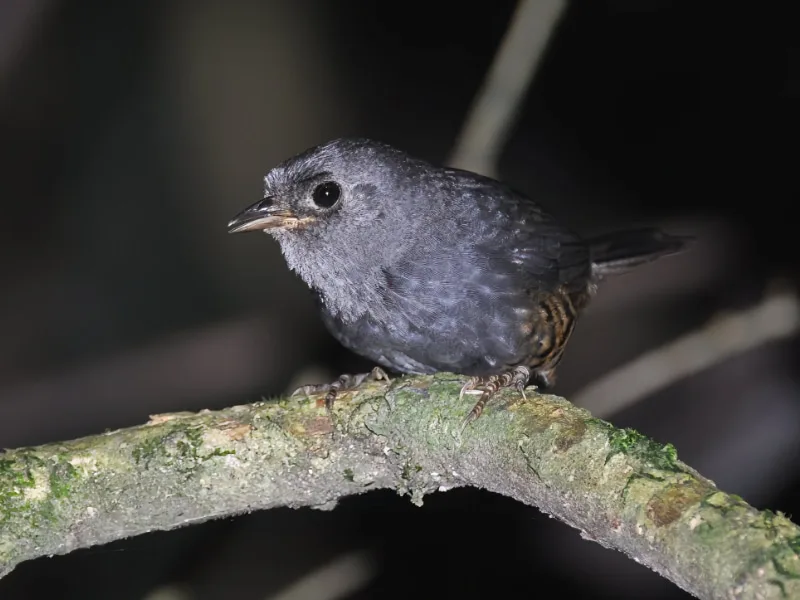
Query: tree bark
x,y
616,486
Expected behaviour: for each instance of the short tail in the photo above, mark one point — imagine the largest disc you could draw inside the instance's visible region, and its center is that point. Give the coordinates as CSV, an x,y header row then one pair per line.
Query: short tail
x,y
618,252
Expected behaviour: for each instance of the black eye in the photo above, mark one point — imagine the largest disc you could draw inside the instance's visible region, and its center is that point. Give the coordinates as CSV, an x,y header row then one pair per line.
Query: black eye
x,y
326,194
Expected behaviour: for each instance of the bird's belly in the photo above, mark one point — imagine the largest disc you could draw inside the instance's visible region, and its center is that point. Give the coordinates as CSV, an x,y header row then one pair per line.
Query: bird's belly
x,y
479,344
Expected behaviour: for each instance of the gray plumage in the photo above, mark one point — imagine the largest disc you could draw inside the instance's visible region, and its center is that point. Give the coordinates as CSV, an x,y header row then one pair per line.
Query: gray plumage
x,y
424,269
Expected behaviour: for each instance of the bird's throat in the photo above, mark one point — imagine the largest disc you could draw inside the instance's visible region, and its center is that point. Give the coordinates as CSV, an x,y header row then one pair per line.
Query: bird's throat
x,y
347,288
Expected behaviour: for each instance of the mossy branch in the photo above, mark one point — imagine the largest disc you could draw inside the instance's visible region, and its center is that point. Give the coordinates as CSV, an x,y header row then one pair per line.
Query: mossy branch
x,y
616,486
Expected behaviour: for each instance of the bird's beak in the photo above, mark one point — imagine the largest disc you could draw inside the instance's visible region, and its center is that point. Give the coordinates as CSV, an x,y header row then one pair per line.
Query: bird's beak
x,y
262,215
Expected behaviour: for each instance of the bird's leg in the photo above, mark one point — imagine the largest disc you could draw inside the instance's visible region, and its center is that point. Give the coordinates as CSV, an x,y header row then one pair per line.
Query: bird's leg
x,y
487,387
343,383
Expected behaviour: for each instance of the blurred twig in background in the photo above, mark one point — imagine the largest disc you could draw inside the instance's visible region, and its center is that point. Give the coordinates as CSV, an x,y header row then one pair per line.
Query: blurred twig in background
x,y
495,107
776,317
18,19
198,367
169,592
337,579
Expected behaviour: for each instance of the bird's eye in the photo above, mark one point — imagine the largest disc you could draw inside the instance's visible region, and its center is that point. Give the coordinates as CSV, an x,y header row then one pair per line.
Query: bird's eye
x,y
326,194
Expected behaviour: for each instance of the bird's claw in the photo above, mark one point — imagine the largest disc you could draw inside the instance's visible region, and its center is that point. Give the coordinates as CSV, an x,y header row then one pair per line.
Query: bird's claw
x,y
470,387
345,382
487,387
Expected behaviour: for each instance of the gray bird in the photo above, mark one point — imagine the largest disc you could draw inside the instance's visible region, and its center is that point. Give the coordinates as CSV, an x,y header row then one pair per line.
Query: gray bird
x,y
423,269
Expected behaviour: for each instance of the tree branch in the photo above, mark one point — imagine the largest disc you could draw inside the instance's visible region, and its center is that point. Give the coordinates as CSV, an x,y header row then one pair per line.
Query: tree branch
x,y
616,486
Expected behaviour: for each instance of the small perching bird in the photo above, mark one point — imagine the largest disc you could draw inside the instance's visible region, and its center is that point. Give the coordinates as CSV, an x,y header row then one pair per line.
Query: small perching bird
x,y
424,269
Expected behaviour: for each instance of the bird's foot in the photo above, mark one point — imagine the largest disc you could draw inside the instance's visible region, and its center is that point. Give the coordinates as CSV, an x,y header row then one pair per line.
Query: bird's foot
x,y
344,383
487,387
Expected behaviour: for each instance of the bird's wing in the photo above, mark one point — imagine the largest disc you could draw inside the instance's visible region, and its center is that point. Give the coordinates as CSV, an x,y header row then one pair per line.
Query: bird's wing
x,y
509,232
463,294
548,254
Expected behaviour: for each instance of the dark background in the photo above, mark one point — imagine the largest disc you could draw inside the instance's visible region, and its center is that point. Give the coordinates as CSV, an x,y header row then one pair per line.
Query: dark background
x,y
133,131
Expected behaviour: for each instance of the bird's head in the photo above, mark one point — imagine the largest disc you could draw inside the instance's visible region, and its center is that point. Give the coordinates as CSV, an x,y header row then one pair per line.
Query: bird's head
x,y
352,182
340,211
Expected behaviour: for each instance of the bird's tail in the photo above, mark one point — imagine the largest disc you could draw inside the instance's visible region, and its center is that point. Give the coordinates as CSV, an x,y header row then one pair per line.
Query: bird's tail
x,y
618,252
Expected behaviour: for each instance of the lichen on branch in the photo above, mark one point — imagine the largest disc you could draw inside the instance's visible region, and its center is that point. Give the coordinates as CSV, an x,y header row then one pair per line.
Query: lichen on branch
x,y
616,486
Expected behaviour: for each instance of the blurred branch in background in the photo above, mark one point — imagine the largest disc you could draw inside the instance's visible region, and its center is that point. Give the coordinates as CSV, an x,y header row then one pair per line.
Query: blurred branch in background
x,y
496,106
615,486
170,592
339,578
777,317
19,19
200,367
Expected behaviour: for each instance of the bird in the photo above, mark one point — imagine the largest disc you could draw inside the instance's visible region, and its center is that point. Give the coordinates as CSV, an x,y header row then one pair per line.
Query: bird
x,y
423,268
